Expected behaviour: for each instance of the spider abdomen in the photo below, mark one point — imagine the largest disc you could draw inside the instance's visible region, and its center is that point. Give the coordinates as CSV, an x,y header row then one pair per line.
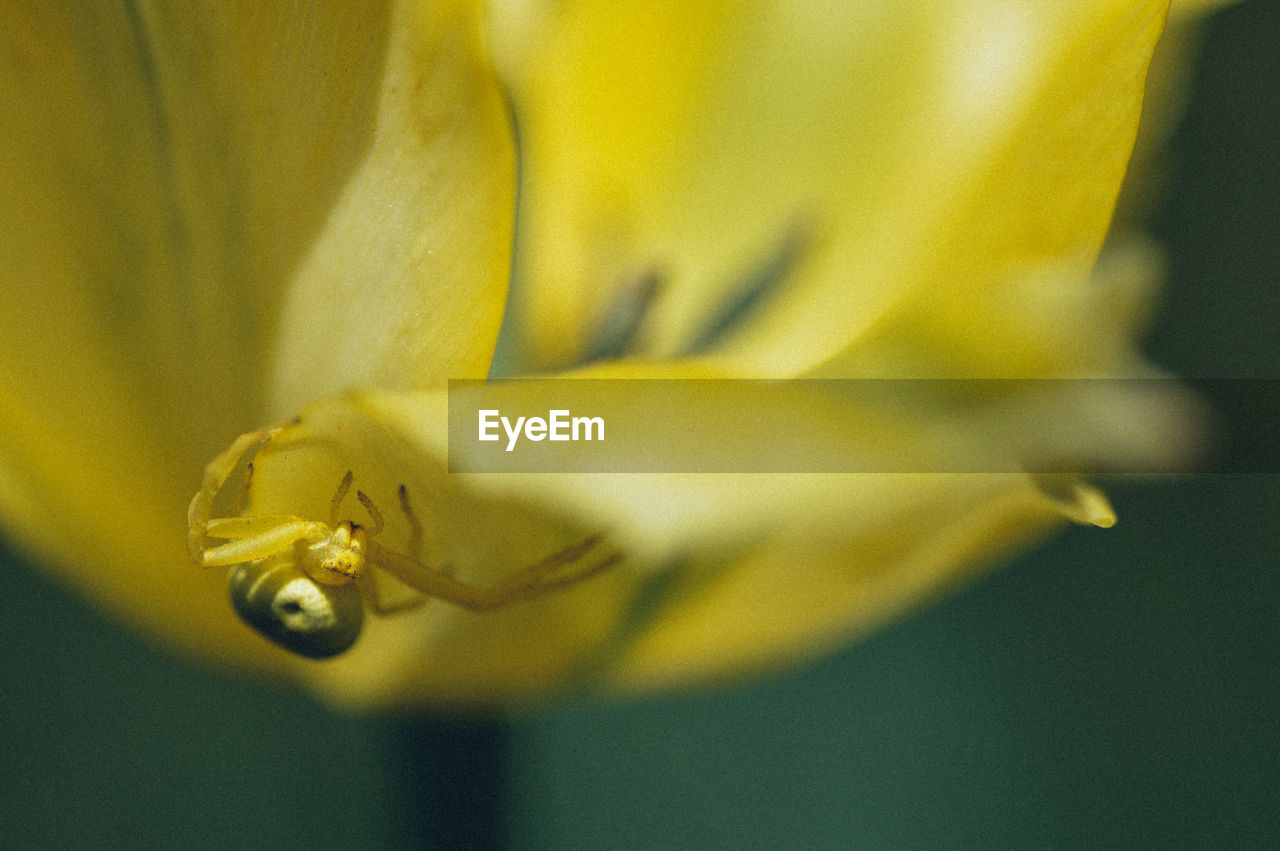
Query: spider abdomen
x,y
293,610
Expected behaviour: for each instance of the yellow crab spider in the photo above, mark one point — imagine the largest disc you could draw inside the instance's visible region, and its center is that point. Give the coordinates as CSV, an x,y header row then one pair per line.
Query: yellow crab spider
x,y
303,583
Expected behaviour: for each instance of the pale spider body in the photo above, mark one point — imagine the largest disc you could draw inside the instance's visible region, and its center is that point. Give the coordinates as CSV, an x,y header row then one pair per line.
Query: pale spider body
x,y
303,584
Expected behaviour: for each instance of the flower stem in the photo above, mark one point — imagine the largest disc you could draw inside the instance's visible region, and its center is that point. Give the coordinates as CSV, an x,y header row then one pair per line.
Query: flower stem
x,y
451,773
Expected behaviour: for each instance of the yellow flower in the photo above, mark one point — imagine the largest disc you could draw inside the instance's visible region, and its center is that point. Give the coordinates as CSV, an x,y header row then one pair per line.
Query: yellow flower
x,y
227,218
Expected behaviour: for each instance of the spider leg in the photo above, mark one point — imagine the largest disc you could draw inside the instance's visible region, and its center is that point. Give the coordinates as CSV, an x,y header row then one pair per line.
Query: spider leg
x,y
565,581
336,503
533,580
260,542
242,495
524,584
247,527
215,474
415,525
432,582
373,511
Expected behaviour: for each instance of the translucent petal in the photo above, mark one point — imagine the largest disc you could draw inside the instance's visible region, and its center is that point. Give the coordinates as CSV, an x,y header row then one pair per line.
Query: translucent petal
x,y
171,178
784,601
883,162
405,284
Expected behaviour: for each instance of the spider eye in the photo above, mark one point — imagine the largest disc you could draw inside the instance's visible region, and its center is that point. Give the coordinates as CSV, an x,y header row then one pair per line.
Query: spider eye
x,y
286,606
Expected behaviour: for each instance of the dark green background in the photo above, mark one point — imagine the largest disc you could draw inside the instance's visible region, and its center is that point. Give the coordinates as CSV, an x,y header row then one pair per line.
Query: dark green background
x,y
1114,688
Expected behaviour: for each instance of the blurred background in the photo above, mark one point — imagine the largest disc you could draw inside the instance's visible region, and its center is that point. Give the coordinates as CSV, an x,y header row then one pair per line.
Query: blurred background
x,y
1112,688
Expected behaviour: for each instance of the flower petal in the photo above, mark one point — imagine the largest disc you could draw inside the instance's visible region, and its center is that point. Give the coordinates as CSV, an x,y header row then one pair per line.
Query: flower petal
x,y
719,573
785,601
168,176
859,158
406,282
